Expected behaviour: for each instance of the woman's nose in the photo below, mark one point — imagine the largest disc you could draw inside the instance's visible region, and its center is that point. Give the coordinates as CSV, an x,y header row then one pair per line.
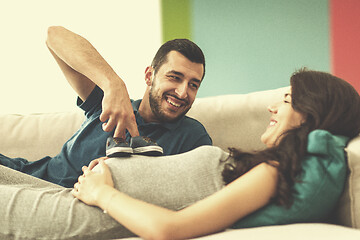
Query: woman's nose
x,y
272,108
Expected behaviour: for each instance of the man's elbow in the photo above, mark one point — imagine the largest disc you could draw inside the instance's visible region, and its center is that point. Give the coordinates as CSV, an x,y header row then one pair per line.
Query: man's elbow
x,y
52,33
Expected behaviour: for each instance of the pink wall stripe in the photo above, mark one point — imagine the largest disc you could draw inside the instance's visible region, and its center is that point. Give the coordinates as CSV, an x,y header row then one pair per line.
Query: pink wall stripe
x,y
345,40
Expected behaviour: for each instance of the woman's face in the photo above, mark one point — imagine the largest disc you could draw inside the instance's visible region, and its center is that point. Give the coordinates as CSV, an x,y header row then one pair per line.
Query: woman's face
x,y
283,118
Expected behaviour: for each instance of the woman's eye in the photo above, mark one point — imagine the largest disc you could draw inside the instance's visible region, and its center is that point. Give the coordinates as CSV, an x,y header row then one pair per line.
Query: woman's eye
x,y
174,77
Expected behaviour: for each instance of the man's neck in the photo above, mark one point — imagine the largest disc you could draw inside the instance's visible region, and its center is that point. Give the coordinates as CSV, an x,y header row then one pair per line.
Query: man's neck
x,y
145,110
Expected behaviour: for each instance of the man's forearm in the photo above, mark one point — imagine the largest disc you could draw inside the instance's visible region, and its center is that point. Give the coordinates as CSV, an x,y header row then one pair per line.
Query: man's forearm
x,y
84,67
79,54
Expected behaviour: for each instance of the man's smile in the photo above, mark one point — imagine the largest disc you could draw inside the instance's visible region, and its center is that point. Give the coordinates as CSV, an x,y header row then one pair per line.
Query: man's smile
x,y
175,102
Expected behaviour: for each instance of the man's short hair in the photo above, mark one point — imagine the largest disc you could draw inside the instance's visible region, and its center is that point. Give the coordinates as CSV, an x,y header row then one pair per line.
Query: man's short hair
x,y
184,46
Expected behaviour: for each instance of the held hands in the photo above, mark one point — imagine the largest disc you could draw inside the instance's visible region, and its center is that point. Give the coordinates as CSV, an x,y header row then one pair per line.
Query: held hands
x,y
89,185
118,112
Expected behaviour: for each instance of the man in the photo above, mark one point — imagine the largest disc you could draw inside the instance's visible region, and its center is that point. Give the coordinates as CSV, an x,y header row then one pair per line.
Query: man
x,y
173,80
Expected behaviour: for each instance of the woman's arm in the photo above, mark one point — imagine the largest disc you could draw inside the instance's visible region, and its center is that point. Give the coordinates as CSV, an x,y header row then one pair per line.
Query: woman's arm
x,y
246,194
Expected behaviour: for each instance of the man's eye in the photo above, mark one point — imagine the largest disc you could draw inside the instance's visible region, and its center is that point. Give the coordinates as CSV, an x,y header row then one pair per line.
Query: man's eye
x,y
193,85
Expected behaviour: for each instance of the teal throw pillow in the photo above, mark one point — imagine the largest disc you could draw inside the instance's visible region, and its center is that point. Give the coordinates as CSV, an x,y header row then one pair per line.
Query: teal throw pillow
x,y
322,182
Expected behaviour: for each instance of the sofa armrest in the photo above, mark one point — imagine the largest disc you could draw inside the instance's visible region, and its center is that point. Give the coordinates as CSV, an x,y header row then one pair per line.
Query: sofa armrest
x,y
349,205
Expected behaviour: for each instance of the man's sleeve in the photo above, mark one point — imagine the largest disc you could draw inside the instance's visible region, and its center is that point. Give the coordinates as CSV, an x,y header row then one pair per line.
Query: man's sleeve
x,y
93,102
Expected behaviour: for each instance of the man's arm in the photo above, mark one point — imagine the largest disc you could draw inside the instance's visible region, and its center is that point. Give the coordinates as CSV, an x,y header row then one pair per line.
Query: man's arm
x,y
84,68
79,82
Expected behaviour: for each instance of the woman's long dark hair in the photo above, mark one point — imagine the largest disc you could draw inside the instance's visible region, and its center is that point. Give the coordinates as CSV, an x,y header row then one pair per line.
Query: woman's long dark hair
x,y
328,103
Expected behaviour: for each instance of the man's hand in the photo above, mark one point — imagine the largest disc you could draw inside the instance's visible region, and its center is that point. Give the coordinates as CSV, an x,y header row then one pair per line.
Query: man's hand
x,y
117,112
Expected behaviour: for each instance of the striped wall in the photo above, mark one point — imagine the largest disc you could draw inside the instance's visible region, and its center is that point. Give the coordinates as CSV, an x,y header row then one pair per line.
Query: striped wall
x,y
253,45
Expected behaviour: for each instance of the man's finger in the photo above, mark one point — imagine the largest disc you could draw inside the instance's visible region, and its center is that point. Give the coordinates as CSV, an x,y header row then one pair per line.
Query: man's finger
x,y
104,116
133,130
119,131
109,126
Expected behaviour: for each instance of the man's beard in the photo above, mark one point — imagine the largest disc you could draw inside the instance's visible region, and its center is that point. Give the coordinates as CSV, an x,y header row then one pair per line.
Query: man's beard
x,y
155,105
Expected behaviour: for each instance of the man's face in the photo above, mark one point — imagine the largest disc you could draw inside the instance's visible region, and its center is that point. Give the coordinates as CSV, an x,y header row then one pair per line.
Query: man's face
x,y
174,87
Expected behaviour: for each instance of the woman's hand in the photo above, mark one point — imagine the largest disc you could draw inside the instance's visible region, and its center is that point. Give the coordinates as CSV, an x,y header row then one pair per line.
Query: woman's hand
x,y
89,185
95,162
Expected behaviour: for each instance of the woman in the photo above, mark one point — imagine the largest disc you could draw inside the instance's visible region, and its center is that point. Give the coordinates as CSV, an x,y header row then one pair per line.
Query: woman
x,y
204,205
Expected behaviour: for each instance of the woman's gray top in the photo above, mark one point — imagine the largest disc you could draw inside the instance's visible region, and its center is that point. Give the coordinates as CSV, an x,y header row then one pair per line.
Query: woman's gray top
x,y
35,209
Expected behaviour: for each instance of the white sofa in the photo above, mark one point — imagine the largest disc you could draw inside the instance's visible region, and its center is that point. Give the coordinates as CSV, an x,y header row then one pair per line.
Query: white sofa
x,y
231,120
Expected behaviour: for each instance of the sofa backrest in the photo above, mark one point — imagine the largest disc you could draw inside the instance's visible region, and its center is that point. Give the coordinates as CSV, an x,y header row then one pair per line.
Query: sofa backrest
x,y
231,120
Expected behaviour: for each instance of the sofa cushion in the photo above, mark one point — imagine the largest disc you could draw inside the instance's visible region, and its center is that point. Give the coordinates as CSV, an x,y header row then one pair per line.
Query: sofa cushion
x,y
316,195
348,213
298,231
34,136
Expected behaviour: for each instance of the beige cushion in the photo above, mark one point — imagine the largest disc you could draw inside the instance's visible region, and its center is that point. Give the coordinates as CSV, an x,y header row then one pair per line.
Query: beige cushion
x,y
349,206
236,120
303,231
34,136
286,232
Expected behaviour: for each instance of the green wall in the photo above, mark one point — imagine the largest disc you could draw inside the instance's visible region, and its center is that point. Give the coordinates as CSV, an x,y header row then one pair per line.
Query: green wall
x,y
253,45
176,19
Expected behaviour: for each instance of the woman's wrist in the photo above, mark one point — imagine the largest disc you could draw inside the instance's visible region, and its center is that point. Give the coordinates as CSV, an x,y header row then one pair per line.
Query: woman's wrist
x,y
105,196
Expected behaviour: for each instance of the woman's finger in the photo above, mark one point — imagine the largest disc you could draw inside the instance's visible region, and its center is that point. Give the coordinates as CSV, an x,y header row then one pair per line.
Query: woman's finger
x,y
87,172
81,178
103,165
93,163
74,192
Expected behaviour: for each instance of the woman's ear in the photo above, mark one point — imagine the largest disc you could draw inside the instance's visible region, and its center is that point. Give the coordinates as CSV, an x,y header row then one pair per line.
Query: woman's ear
x,y
149,75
